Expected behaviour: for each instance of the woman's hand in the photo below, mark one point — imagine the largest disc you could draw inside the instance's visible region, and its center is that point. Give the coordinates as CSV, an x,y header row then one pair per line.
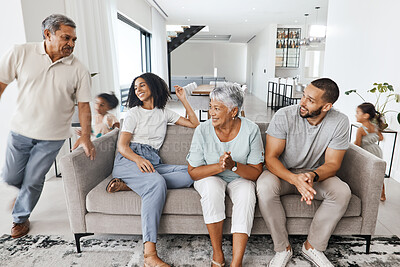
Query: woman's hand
x,y
228,162
180,92
221,162
144,165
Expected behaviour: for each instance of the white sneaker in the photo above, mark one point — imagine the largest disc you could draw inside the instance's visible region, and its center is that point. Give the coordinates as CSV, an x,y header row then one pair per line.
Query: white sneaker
x,y
281,258
317,257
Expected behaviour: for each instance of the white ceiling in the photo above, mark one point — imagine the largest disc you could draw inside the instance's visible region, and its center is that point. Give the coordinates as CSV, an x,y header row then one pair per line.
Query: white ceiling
x,y
242,19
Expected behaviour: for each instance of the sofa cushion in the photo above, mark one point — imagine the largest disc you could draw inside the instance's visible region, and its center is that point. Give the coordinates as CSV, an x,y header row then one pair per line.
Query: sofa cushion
x,y
176,145
179,201
186,201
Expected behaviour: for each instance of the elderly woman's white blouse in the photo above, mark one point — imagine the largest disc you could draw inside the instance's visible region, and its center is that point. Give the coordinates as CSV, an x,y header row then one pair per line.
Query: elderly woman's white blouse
x,y
246,147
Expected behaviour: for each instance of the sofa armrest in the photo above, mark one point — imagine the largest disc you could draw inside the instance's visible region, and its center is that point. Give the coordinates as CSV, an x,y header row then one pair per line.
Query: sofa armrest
x,y
80,175
364,173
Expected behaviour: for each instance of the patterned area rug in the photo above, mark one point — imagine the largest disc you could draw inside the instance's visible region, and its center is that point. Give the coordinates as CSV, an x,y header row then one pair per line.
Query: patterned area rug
x,y
183,250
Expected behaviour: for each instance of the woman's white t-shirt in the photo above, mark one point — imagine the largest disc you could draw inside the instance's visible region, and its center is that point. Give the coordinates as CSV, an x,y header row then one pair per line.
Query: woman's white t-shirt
x,y
148,126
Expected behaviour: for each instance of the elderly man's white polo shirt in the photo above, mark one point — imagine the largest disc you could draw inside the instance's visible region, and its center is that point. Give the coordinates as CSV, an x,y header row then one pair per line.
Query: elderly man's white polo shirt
x,y
47,90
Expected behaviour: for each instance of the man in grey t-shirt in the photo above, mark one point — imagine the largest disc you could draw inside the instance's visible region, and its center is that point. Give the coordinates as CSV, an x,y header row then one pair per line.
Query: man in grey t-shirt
x,y
304,150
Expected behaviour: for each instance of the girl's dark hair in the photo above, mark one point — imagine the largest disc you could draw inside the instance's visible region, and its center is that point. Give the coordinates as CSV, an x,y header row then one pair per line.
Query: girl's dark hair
x,y
374,115
158,88
111,99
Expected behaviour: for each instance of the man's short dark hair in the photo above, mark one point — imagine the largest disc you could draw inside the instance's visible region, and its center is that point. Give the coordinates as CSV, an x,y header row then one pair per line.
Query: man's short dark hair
x,y
330,88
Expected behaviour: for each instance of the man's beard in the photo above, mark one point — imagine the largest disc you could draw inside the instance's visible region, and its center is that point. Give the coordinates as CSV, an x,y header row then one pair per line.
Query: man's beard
x,y
313,114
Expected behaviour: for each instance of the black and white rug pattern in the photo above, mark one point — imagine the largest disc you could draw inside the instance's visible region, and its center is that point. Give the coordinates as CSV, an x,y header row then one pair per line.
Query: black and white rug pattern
x,y
183,250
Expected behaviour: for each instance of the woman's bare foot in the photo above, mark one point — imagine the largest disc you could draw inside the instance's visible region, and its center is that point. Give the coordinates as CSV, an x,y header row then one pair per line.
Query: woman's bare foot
x,y
152,260
383,195
218,260
150,256
116,185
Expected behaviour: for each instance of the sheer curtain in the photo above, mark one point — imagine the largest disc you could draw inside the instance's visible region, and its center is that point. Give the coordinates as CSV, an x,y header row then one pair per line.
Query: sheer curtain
x,y
159,45
95,47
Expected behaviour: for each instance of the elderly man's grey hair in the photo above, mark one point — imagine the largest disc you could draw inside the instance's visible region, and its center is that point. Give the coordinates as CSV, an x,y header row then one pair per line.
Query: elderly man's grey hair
x,y
230,94
54,22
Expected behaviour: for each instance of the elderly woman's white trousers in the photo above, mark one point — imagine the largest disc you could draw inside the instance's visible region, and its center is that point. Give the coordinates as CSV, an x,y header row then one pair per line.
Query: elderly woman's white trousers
x,y
242,193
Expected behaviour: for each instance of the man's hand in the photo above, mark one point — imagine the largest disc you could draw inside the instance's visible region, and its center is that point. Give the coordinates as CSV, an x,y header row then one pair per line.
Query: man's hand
x,y
87,145
310,180
304,184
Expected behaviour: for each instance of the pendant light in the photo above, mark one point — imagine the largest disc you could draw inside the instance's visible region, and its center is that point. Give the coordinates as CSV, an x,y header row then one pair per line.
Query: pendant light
x,y
305,40
317,30
316,34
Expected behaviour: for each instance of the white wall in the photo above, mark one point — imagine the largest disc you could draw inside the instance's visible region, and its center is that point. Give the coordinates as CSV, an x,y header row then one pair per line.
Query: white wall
x,y
260,57
12,35
362,51
139,11
34,12
200,59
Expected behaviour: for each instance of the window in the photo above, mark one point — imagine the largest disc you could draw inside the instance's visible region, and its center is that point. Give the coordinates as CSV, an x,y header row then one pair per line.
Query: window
x,y
133,51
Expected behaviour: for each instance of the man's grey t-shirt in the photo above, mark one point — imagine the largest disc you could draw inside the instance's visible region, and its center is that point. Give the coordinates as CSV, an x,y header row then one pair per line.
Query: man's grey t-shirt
x,y
306,144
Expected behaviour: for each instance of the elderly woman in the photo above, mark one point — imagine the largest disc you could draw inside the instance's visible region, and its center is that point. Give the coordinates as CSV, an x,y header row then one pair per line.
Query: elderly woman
x,y
226,155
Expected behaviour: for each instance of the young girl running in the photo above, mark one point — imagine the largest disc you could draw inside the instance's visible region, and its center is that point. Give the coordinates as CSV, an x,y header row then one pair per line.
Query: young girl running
x,y
369,133
104,122
138,163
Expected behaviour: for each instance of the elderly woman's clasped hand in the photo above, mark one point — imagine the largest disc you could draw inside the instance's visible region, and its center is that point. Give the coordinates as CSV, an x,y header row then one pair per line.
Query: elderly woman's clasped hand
x,y
226,162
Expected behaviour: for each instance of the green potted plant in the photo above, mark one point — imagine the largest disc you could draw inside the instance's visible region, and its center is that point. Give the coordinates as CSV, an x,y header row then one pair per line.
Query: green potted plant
x,y
384,94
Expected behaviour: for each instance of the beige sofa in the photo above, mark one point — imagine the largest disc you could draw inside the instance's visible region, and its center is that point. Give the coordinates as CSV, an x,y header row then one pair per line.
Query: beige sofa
x,y
92,210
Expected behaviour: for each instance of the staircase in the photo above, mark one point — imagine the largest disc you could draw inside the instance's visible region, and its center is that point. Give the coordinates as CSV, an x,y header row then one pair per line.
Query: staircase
x,y
178,38
175,39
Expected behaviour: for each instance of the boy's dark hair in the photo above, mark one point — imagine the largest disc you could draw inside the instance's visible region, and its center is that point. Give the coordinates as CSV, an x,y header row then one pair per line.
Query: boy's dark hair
x,y
374,115
158,88
111,99
330,88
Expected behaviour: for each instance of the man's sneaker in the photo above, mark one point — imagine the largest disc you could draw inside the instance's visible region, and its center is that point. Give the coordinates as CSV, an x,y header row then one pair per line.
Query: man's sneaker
x,y
281,258
317,257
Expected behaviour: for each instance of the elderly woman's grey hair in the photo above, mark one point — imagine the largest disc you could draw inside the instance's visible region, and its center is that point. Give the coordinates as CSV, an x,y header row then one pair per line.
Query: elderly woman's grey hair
x,y
54,22
230,94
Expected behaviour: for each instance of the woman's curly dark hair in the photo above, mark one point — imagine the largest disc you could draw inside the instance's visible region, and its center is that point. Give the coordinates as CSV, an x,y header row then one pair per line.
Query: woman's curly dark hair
x,y
158,88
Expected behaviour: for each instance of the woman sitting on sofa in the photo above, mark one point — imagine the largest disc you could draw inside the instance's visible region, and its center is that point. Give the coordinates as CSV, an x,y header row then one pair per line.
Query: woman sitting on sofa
x,y
226,155
138,163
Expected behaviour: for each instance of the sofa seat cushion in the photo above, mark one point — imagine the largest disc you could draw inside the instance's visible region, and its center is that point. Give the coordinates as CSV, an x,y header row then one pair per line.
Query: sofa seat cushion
x,y
186,201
